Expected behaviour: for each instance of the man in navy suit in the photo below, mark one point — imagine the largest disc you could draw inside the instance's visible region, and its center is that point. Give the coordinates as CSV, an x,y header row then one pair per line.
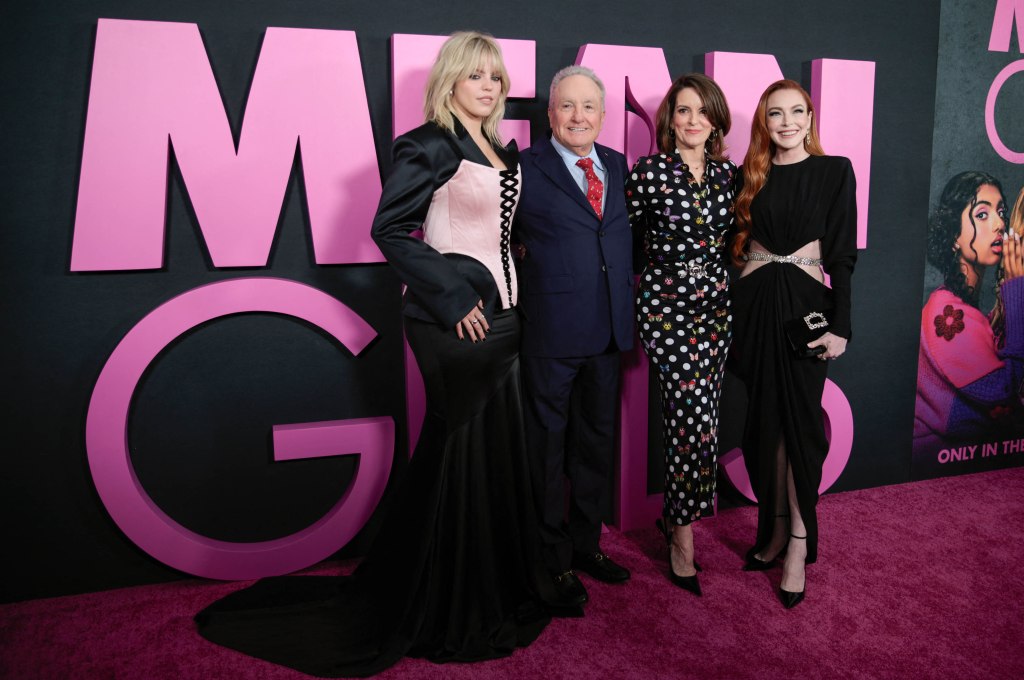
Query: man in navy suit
x,y
576,299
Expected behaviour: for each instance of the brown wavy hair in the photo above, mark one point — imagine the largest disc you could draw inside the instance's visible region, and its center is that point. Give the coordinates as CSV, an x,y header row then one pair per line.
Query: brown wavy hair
x,y
758,161
715,105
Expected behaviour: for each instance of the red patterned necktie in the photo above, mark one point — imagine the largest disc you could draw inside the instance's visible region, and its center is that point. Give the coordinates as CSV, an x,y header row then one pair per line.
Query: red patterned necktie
x,y
595,190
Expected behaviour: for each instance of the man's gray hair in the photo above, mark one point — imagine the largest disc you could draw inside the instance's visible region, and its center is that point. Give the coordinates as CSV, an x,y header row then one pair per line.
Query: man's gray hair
x,y
574,70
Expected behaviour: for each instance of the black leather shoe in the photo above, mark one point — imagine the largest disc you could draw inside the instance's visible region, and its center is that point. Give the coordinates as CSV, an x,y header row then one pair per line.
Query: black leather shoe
x,y
600,566
752,563
690,583
663,528
790,599
569,593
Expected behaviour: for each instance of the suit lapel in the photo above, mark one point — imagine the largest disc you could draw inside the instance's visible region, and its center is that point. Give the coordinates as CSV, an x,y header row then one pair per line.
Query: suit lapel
x,y
613,180
552,165
467,147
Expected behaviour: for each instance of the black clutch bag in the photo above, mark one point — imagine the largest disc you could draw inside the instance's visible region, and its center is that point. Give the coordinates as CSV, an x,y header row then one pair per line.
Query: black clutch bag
x,y
805,329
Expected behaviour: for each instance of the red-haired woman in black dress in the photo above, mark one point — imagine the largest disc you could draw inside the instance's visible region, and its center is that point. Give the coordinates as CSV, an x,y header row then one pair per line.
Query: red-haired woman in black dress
x,y
796,215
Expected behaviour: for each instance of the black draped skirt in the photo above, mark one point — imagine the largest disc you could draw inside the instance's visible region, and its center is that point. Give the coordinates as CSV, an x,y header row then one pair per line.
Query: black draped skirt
x,y
454,573
784,392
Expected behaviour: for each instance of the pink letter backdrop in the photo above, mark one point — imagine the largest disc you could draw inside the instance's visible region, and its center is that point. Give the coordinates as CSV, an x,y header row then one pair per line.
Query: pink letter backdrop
x,y
158,534
153,90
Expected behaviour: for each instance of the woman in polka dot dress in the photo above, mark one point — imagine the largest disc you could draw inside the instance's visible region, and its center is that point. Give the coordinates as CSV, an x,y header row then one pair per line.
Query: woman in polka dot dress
x,y
680,203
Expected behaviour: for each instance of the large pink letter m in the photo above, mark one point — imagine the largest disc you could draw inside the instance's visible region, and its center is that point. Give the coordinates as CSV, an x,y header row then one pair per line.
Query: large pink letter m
x,y
153,89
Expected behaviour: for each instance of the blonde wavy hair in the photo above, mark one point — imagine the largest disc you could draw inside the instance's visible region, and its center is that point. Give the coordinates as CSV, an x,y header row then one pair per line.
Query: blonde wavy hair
x,y
460,56
1016,219
1015,222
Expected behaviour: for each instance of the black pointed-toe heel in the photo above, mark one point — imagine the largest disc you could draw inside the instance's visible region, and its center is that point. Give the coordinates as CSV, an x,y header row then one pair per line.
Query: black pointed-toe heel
x,y
687,583
788,598
663,528
753,563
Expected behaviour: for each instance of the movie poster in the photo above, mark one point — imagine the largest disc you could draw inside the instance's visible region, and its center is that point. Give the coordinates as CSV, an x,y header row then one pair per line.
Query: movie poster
x,y
969,411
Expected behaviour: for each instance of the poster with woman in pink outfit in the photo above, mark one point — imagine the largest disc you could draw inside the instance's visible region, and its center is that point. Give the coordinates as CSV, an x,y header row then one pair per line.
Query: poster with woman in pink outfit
x,y
969,410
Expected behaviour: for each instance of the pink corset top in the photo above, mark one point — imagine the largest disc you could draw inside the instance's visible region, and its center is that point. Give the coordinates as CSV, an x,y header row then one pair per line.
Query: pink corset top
x,y
471,214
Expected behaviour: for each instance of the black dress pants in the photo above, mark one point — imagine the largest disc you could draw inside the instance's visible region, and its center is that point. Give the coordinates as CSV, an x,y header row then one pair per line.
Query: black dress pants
x,y
570,433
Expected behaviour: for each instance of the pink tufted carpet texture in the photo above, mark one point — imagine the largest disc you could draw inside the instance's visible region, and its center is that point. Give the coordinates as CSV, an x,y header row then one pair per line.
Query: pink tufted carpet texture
x,y
915,581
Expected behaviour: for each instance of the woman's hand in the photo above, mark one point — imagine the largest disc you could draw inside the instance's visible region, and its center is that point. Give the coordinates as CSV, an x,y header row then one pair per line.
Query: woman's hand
x,y
833,344
474,324
1013,256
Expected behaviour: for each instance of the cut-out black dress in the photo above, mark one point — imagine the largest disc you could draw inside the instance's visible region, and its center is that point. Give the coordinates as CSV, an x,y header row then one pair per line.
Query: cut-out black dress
x,y
814,199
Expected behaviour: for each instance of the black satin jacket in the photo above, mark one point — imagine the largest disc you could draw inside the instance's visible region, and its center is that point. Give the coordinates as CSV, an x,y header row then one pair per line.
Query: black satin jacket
x,y
441,288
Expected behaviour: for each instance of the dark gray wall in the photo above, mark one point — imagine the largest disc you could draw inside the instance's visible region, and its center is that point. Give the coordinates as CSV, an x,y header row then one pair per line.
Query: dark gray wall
x,y
236,375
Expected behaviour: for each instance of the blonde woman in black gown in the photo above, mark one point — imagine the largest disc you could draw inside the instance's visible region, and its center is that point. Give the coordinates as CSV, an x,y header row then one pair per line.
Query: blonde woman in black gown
x,y
680,208
453,573
796,215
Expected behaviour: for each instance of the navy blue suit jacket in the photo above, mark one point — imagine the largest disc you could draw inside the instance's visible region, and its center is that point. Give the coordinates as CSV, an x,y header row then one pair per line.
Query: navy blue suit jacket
x,y
576,279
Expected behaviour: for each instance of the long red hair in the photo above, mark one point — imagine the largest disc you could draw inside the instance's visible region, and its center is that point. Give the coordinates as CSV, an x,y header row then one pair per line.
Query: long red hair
x,y
758,161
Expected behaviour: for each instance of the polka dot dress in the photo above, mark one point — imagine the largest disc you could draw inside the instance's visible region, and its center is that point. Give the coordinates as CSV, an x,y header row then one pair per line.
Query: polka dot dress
x,y
683,314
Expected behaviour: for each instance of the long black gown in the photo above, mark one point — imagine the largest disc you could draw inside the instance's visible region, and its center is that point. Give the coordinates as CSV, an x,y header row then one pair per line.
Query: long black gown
x,y
814,199
454,573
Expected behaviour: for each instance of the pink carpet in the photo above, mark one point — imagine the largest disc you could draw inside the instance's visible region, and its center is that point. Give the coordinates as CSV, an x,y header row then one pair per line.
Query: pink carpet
x,y
913,581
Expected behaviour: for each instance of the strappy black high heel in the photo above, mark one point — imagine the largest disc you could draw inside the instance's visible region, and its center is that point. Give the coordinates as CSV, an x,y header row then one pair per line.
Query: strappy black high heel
x,y
753,563
688,583
790,599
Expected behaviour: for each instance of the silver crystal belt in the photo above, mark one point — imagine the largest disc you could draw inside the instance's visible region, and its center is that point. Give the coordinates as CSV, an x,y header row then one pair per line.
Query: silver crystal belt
x,y
785,259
